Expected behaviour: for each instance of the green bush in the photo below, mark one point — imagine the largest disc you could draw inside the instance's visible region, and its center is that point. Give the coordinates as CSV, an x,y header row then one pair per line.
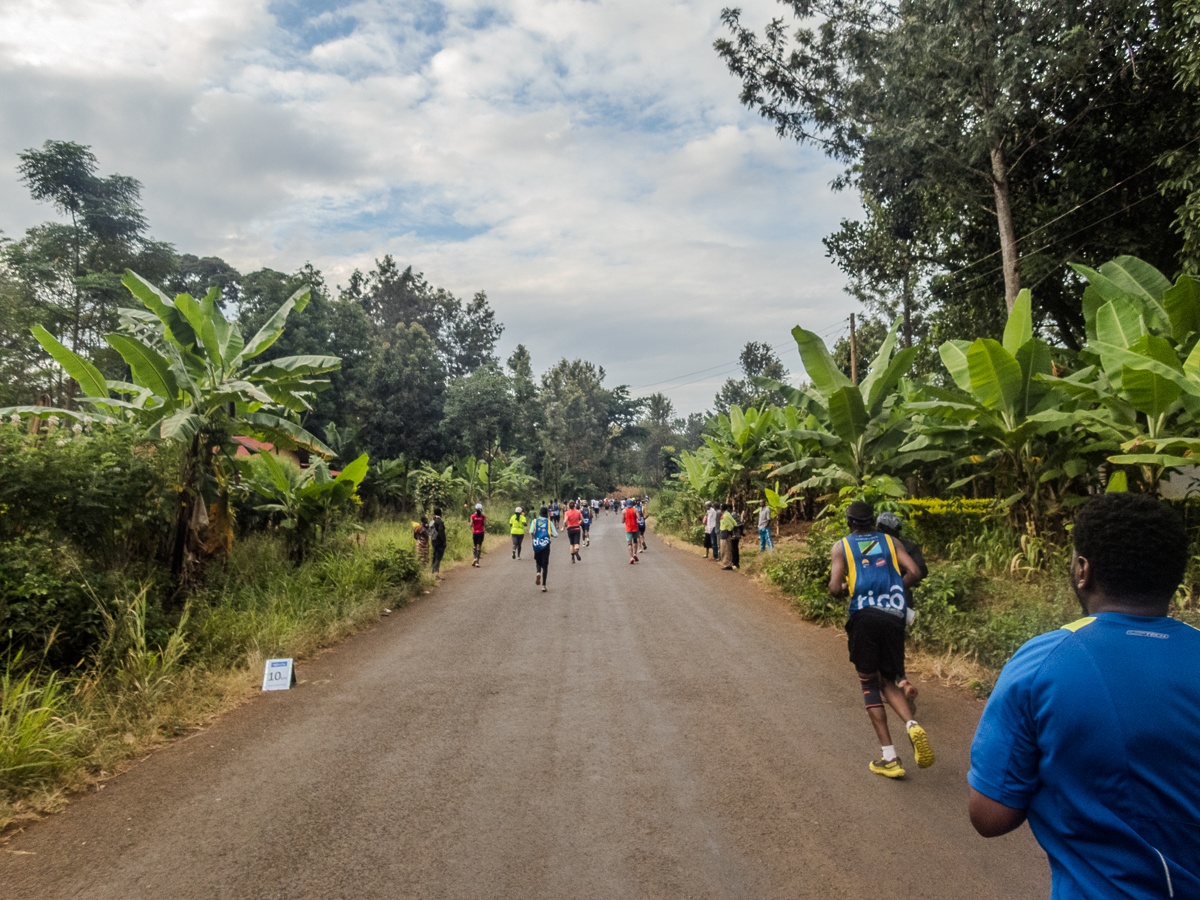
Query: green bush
x,y
97,490
398,565
678,512
939,525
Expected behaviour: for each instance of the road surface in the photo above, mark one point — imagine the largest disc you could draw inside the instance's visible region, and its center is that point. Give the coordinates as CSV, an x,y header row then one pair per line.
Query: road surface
x,y
662,730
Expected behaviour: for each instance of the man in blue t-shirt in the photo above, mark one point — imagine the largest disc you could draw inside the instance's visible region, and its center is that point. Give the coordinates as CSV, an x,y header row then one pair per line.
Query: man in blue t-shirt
x,y
1092,729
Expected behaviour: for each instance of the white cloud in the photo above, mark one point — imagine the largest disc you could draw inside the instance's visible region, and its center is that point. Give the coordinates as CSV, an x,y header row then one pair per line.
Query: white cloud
x,y
586,163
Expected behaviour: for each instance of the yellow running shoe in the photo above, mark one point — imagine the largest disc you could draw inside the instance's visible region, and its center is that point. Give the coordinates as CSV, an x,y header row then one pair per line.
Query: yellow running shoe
x,y
921,748
888,768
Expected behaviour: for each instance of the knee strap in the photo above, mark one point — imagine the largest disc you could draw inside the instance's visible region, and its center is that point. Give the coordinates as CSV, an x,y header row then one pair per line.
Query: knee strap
x,y
871,695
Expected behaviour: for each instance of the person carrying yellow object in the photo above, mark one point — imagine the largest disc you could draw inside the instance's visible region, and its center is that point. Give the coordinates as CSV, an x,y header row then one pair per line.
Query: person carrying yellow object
x,y
517,523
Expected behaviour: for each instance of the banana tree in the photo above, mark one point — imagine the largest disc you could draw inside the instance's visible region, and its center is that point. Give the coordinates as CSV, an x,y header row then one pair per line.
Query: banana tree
x,y
1008,422
851,431
195,382
742,451
1144,384
306,500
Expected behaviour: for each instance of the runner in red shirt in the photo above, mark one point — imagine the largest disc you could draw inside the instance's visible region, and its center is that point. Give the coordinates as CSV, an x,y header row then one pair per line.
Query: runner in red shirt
x,y
631,532
478,523
574,530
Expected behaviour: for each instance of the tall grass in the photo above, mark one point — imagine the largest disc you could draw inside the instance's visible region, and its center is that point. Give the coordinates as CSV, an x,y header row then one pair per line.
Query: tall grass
x,y
37,732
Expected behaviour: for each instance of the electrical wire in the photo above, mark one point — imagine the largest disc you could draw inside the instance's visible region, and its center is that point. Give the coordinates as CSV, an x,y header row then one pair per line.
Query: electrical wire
x,y
1074,208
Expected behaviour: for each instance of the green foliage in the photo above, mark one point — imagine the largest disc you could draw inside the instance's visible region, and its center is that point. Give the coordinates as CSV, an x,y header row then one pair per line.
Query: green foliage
x,y
434,490
37,734
397,564
87,485
305,502
938,524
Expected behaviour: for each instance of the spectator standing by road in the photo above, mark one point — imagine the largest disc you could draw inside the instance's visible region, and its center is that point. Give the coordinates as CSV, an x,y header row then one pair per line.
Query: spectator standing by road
x,y
764,526
1091,728
875,569
517,523
478,526
730,534
437,540
421,536
712,521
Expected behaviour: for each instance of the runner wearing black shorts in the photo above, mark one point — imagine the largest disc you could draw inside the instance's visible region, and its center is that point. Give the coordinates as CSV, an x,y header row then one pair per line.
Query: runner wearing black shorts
x,y
574,530
875,569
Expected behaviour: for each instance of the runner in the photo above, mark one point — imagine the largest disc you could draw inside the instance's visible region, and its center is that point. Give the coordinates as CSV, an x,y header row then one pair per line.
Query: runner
x,y
595,508
555,511
875,569
587,523
478,521
631,531
641,520
542,530
516,526
574,530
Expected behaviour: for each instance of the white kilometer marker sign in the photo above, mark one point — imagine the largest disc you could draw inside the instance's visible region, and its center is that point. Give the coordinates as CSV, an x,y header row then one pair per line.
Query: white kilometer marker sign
x,y
278,675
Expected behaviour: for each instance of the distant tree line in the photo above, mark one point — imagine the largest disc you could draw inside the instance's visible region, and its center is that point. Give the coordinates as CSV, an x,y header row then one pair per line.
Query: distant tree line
x,y
419,380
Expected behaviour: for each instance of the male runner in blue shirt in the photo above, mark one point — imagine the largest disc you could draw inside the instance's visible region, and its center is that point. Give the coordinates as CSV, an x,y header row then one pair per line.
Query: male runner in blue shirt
x,y
1092,729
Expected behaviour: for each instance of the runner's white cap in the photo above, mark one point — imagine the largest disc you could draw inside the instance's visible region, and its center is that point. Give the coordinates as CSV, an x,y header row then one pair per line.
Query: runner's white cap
x,y
479,506
518,509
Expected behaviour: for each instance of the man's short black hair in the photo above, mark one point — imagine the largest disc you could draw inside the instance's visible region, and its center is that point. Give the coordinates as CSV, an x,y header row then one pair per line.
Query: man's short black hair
x,y
1137,546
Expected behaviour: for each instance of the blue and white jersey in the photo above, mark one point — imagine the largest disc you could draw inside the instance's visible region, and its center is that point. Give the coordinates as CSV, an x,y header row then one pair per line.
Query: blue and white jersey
x,y
1091,729
587,515
873,574
541,529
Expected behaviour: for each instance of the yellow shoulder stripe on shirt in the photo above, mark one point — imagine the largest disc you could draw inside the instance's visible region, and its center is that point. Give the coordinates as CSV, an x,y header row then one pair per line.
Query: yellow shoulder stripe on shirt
x,y
1075,626
851,568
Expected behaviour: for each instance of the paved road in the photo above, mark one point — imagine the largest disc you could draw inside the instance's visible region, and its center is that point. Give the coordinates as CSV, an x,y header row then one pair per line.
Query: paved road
x,y
652,731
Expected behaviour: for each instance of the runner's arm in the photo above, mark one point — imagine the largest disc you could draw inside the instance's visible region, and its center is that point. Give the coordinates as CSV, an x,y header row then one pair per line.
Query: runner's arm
x,y
991,818
837,570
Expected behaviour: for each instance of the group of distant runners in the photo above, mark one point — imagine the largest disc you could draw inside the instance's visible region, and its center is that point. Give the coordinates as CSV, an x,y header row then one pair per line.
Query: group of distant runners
x,y
577,516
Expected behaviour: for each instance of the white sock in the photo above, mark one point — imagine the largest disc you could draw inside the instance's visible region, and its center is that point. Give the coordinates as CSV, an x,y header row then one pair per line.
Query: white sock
x,y
889,752
909,724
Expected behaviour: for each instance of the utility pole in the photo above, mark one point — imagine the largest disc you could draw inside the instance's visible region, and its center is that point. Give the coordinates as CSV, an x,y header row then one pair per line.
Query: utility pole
x,y
853,351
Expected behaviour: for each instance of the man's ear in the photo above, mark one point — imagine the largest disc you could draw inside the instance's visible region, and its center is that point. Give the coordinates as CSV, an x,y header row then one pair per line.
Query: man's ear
x,y
1081,572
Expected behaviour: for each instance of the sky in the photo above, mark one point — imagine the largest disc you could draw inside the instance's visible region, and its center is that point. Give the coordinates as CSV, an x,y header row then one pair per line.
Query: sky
x,y
587,164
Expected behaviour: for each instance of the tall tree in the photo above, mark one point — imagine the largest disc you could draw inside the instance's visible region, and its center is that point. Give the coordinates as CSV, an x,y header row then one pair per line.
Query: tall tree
x,y
465,334
404,403
104,212
970,99
757,360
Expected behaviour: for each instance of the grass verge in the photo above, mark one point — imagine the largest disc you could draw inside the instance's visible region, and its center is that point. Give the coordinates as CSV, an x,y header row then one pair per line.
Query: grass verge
x,y
61,733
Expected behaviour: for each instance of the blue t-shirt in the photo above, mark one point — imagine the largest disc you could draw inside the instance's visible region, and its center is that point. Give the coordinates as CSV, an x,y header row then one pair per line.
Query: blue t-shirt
x,y
1094,729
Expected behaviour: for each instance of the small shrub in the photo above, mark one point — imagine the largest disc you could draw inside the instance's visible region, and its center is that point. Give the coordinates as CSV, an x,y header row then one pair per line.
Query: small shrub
x,y
398,565
939,525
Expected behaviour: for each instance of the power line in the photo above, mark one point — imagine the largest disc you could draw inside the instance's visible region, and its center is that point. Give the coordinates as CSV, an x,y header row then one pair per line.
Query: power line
x,y
1064,237
1075,208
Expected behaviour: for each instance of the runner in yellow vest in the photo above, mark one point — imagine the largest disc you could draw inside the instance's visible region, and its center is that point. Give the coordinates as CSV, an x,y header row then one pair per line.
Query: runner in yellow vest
x,y
517,523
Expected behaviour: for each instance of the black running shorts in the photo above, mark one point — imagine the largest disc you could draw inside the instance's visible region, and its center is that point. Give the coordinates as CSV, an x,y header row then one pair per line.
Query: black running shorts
x,y
876,643
573,535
